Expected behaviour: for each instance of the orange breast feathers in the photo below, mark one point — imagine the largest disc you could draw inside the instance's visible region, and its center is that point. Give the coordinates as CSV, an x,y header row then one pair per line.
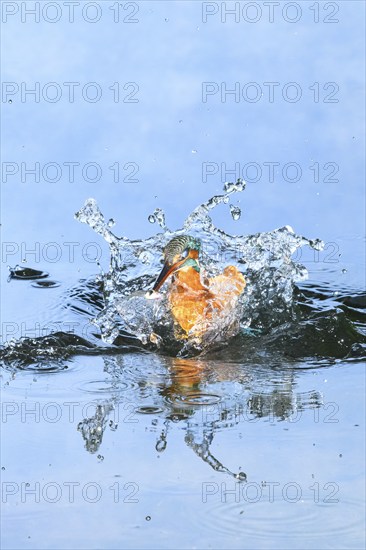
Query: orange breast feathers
x,y
193,305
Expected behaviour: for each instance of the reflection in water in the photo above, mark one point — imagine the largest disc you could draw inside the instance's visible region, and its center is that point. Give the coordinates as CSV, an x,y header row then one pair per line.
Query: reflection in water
x,y
202,397
281,404
92,428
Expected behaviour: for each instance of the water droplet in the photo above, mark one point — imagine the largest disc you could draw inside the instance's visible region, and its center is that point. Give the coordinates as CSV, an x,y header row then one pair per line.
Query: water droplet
x,y
194,151
344,270
317,244
113,426
161,445
100,457
111,222
235,212
166,19
158,216
10,101
148,518
180,122
241,476
3,468
230,187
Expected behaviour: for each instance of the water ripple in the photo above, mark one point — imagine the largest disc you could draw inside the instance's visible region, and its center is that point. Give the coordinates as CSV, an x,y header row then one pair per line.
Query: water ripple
x,y
104,387
298,522
196,399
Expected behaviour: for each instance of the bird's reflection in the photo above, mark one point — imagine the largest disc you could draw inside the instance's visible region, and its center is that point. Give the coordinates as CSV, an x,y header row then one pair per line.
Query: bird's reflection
x,y
192,393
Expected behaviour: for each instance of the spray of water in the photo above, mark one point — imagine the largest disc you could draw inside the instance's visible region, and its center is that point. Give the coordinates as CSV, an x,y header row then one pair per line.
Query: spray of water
x,y
264,258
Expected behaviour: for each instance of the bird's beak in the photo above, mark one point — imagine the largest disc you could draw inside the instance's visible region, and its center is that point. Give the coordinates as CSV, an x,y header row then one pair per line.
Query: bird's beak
x,y
166,272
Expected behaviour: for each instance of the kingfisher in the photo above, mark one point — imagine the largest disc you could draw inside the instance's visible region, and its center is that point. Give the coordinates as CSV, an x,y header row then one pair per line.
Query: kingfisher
x,y
196,304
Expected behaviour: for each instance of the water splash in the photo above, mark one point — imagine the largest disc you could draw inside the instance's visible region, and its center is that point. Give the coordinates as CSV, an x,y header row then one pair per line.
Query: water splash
x,y
265,258
158,216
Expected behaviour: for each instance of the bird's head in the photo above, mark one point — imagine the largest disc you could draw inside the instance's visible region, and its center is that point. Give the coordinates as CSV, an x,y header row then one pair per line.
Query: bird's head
x,y
180,253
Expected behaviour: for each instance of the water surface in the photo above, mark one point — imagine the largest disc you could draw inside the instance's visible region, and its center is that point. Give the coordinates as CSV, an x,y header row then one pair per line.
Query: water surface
x,y
108,440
